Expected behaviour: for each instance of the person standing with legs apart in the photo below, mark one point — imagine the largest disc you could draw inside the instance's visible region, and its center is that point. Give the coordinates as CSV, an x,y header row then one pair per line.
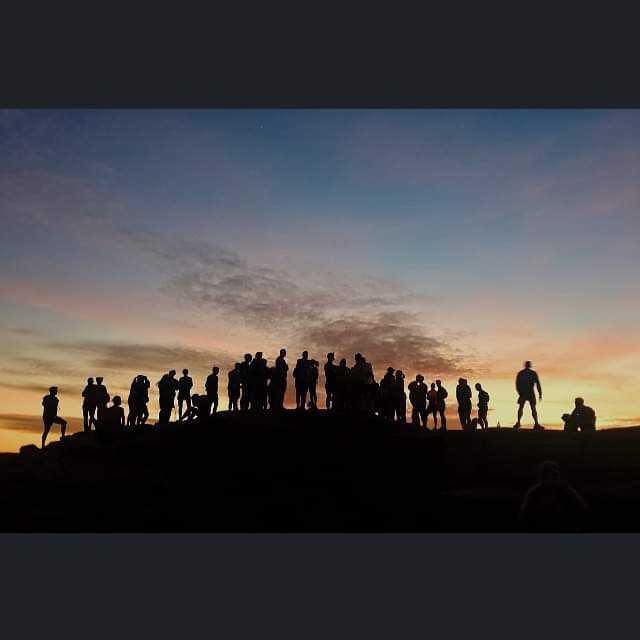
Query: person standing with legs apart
x,y
209,403
184,392
432,407
233,387
50,414
526,382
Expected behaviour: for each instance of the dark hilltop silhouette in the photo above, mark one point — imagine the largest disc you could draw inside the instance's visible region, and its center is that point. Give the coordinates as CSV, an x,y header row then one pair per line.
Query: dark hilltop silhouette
x,y
356,465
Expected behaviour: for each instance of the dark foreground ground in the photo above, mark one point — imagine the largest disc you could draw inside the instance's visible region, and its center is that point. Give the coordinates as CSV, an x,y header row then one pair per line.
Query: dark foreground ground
x,y
315,472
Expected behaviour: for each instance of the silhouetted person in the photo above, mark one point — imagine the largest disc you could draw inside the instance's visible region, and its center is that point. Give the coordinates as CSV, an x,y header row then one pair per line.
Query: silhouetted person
x,y
184,391
418,399
258,382
432,406
114,415
167,387
551,504
399,397
209,403
363,385
387,397
279,381
330,380
341,397
463,396
233,386
526,380
102,397
443,394
89,404
245,381
483,406
193,412
302,377
582,418
50,414
137,401
314,373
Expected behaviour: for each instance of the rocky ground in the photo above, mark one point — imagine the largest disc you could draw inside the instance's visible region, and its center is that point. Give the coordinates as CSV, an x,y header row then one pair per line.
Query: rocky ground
x,y
311,472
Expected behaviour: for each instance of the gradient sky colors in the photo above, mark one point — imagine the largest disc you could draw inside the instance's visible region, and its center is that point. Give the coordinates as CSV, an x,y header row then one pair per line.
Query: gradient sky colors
x,y
439,241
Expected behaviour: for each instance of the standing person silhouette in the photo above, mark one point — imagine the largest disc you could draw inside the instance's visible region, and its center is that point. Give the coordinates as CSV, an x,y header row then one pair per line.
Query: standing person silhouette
x,y
184,392
443,394
50,414
89,404
418,399
432,407
463,396
258,376
526,382
279,381
302,377
314,374
483,406
142,386
386,394
167,387
341,396
102,397
330,380
245,381
133,402
233,387
400,397
209,403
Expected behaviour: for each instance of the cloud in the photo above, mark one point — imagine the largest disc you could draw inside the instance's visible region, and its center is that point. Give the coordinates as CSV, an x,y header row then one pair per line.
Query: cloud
x,y
33,424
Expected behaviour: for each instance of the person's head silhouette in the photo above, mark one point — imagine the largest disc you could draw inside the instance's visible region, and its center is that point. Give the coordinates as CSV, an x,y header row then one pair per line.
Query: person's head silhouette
x,y
579,402
330,356
248,357
283,353
439,383
390,370
185,372
53,390
527,364
89,380
462,381
117,401
343,362
99,379
433,385
399,374
172,373
305,355
237,366
478,386
419,377
216,370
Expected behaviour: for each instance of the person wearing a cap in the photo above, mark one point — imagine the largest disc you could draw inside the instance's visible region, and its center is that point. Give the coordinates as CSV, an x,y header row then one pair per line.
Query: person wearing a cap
x,y
50,414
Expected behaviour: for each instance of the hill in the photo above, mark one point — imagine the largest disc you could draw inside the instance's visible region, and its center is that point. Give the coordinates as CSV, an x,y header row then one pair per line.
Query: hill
x,y
310,472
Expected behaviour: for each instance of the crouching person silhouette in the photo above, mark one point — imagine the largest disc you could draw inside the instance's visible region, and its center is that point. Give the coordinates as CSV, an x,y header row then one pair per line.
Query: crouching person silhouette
x,y
50,414
582,418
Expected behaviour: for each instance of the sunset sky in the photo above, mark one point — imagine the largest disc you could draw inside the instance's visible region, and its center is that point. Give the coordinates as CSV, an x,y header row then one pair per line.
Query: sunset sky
x,y
447,242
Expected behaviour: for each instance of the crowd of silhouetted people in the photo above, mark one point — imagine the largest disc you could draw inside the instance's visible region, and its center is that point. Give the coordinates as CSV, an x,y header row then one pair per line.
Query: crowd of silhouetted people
x,y
253,385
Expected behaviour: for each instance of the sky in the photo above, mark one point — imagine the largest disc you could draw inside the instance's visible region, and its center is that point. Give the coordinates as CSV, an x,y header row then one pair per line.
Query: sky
x,y
452,243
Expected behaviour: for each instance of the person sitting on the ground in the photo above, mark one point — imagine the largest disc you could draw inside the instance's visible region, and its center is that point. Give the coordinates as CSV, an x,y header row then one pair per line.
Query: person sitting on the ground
x,y
551,504
418,399
114,415
193,412
582,418
483,406
50,414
